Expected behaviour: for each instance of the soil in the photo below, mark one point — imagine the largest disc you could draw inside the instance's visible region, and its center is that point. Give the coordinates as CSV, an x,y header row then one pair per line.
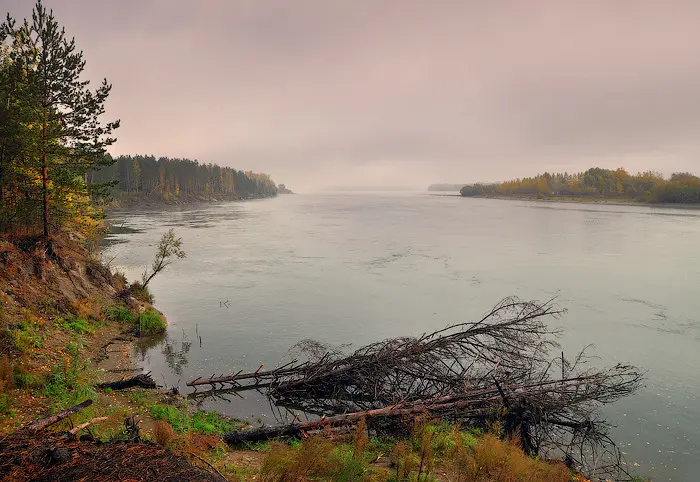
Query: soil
x,y
42,284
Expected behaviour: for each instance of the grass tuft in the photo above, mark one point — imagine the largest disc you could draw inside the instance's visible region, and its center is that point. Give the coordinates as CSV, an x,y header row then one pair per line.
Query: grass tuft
x,y
120,313
81,326
163,433
141,292
150,322
182,421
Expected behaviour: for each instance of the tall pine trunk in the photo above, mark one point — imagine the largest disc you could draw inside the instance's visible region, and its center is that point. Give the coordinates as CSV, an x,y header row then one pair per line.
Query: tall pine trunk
x,y
45,179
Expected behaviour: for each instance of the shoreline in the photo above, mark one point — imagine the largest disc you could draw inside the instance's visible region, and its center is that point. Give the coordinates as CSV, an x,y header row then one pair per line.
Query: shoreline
x,y
606,202
129,202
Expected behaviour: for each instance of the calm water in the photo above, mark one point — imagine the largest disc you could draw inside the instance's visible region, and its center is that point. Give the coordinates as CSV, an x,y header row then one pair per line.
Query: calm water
x,y
355,268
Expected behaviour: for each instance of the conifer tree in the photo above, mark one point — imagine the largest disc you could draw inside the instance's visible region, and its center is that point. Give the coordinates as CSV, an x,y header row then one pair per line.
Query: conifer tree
x,y
63,136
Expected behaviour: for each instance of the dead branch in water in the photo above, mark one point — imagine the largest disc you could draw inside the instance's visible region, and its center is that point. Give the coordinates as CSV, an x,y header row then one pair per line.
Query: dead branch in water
x,y
512,338
497,369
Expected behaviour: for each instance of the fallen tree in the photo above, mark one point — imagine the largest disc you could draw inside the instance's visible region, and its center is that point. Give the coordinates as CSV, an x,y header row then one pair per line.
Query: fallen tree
x,y
512,337
142,380
497,370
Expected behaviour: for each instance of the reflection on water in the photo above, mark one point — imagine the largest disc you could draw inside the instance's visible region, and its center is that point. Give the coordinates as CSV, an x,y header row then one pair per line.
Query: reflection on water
x,y
174,351
352,268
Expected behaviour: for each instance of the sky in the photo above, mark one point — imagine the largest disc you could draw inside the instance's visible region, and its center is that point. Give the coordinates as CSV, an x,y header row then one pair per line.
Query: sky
x,y
323,94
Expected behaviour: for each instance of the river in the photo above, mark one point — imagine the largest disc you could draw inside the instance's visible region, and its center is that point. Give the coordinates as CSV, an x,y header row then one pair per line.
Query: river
x,y
358,267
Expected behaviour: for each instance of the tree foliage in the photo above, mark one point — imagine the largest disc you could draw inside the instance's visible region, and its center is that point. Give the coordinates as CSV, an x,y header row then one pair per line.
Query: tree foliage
x,y
597,183
51,133
169,178
169,249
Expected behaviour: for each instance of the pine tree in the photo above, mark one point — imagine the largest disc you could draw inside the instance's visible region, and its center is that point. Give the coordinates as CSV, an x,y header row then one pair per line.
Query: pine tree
x,y
63,137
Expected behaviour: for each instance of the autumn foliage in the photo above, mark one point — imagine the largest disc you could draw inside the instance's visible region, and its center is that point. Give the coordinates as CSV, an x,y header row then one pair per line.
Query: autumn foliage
x,y
597,183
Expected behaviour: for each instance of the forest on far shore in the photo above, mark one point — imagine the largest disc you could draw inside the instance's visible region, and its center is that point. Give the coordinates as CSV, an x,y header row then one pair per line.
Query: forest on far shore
x,y
648,186
167,178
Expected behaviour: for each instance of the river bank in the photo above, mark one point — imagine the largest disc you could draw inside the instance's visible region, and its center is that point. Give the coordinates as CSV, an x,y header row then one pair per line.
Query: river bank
x,y
143,200
582,200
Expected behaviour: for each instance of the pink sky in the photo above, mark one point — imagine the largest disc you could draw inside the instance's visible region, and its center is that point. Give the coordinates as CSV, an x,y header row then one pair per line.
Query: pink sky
x,y
323,93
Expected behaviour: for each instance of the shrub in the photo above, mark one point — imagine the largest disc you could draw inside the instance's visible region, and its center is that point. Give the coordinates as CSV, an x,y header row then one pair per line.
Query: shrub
x,y
27,337
163,433
4,404
494,460
26,380
85,308
150,322
361,439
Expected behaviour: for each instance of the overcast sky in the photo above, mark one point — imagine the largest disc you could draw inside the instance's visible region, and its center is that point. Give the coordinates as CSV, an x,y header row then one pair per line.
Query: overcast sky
x,y
322,93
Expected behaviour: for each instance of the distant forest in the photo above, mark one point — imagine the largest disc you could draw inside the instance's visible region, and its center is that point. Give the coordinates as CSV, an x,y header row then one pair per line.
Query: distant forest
x,y
168,179
681,188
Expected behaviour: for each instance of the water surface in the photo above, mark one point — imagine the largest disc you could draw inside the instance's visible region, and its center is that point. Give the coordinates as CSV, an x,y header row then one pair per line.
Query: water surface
x,y
359,267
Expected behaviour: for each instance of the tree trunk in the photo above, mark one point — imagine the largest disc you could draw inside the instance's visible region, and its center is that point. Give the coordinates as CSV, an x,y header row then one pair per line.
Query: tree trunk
x,y
45,180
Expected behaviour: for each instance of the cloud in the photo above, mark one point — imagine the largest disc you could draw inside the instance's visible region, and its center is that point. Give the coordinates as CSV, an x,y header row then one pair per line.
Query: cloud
x,y
322,93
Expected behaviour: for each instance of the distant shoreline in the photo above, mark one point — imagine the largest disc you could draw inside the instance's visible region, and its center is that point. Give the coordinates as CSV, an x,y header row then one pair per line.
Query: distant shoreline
x,y
130,201
608,202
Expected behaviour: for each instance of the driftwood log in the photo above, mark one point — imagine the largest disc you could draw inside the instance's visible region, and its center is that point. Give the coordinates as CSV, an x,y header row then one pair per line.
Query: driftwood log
x,y
84,425
48,421
143,380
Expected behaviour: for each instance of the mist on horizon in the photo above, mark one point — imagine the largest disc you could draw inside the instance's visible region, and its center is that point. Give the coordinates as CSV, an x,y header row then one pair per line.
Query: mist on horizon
x,y
398,93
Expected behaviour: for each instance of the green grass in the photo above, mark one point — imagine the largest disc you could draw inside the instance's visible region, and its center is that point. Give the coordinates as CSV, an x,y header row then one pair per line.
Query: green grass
x,y
27,337
209,423
5,405
260,446
120,313
150,322
80,326
65,385
27,380
138,398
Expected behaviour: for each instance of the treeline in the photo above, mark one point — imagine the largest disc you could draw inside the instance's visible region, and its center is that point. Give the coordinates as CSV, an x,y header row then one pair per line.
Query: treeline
x,y
597,183
168,178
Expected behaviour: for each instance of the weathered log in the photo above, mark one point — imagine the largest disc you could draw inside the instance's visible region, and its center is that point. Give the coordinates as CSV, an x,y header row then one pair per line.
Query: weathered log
x,y
295,430
48,421
143,380
78,428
